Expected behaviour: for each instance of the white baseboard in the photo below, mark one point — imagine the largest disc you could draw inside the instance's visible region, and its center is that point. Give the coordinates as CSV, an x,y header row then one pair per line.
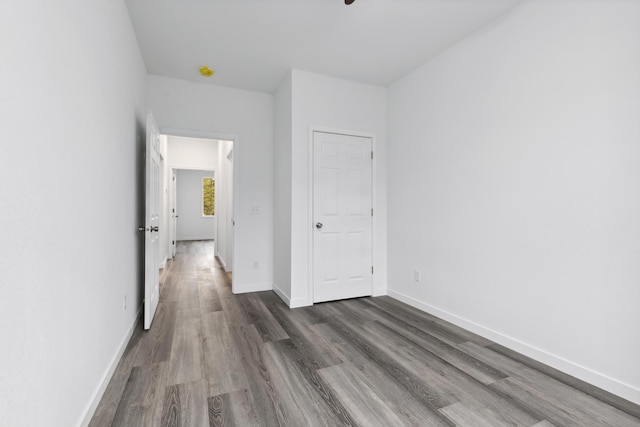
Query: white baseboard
x,y
252,287
106,377
379,292
222,263
300,302
284,297
619,388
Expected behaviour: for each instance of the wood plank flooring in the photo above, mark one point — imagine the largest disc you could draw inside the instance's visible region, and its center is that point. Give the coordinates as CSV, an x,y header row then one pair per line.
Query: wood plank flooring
x,y
213,358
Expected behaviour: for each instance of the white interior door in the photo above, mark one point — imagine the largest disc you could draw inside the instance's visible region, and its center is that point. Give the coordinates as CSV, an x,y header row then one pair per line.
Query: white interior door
x,y
152,221
342,213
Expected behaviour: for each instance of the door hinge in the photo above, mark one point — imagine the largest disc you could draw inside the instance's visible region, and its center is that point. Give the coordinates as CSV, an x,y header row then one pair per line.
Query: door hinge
x,y
372,155
173,242
371,211
372,269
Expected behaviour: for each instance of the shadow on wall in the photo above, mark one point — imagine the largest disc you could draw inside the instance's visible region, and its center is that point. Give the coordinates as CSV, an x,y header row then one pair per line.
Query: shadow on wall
x,y
140,153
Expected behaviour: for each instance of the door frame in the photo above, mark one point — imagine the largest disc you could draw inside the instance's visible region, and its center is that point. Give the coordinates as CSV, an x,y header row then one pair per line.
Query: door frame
x,y
310,192
229,264
194,133
173,201
173,207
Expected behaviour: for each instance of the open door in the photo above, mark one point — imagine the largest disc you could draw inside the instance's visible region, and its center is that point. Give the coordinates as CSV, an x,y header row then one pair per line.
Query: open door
x,y
152,221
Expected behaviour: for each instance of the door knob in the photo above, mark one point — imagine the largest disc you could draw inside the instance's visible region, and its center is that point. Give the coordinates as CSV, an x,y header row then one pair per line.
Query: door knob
x,y
141,228
319,225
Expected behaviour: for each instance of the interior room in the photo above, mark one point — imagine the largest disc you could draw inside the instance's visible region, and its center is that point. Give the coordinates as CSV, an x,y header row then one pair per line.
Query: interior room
x,y
504,186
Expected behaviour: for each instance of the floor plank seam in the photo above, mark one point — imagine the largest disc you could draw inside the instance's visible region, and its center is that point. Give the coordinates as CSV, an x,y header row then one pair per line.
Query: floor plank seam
x,y
218,359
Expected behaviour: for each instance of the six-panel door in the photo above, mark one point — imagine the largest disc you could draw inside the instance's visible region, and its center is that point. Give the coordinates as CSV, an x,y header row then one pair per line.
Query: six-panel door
x,y
342,213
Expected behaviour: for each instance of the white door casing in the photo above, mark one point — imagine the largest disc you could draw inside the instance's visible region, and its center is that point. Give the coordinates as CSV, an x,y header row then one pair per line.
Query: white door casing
x,y
229,206
174,213
342,217
152,221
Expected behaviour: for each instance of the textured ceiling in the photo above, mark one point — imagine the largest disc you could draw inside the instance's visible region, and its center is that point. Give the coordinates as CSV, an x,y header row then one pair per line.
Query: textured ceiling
x,y
252,43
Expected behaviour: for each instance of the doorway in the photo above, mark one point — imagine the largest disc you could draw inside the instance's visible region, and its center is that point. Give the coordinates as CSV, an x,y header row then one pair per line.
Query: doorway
x,y
194,205
192,157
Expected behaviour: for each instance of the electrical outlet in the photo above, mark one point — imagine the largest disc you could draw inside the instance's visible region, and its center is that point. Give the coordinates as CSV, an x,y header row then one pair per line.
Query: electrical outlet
x,y
416,276
255,264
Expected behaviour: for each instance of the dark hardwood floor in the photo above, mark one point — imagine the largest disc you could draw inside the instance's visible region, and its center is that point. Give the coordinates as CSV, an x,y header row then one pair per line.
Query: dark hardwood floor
x,y
218,359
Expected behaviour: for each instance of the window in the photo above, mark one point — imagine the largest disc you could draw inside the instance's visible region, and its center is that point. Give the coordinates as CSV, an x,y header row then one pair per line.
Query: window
x,y
208,196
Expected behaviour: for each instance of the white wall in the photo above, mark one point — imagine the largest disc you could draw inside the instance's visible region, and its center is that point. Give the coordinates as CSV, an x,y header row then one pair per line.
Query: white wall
x,y
324,102
282,189
247,115
73,109
192,153
191,224
514,183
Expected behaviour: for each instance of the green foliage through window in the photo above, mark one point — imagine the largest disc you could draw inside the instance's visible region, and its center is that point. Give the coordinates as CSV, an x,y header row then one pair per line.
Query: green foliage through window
x,y
208,196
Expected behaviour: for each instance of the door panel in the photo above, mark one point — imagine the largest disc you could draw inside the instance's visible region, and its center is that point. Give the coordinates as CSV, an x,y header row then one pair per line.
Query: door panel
x,y
355,261
355,187
342,241
329,192
152,222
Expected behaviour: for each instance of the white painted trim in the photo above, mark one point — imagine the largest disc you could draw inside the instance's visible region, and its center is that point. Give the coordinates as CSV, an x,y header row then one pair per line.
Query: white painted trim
x,y
310,253
236,210
282,295
295,303
163,264
370,135
252,287
612,385
378,292
200,134
191,168
91,407
222,263
173,206
301,302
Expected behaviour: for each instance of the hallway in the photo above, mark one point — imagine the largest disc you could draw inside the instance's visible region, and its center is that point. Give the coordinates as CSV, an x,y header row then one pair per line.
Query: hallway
x,y
218,359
